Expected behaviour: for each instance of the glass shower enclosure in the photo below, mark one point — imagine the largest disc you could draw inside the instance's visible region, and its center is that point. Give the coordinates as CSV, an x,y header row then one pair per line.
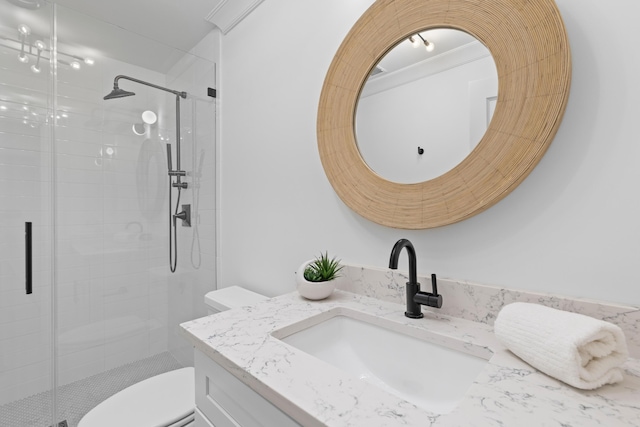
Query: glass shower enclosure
x,y
88,304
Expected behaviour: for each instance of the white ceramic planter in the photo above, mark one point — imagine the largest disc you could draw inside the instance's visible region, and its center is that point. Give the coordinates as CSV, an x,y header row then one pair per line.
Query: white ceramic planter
x,y
313,290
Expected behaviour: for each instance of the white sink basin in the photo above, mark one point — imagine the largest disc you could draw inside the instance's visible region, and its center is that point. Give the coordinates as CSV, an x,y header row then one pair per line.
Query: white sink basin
x,y
428,375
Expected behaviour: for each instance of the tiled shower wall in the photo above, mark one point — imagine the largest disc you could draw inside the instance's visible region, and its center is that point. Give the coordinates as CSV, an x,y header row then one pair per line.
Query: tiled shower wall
x,y
115,298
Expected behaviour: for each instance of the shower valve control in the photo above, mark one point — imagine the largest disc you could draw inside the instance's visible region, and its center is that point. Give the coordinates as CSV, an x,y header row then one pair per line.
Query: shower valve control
x,y
185,216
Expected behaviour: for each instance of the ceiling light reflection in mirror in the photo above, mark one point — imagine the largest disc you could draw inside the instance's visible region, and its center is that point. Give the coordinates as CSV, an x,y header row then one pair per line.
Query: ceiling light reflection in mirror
x,y
422,111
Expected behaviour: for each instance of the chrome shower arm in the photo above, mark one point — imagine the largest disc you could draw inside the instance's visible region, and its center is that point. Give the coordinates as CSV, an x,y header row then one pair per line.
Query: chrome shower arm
x,y
142,82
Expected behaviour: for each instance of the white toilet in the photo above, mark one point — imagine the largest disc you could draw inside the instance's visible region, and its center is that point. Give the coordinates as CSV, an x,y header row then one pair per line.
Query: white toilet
x,y
166,400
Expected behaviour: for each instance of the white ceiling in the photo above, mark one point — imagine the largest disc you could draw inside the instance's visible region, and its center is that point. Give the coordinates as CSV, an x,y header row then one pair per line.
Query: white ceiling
x,y
177,23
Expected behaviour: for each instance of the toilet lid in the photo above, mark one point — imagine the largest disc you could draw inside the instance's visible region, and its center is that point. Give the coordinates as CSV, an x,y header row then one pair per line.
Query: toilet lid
x,y
158,401
231,297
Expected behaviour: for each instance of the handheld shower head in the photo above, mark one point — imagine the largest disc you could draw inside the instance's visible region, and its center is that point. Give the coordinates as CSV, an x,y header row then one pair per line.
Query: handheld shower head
x,y
118,93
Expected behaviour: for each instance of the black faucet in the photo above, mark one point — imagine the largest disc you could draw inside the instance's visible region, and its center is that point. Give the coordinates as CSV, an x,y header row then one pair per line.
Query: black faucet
x,y
414,297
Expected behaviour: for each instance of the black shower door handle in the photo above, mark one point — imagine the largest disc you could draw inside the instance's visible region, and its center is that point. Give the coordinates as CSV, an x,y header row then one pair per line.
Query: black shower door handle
x,y
28,271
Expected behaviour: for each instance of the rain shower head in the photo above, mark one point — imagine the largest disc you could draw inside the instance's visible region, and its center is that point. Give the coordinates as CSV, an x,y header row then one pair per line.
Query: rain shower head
x,y
118,93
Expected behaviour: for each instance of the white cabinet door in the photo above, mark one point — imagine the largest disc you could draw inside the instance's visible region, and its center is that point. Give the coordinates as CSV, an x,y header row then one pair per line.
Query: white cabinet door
x,y
228,402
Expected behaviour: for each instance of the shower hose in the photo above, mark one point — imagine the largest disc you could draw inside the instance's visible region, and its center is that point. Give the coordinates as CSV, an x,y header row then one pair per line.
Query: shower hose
x,y
173,240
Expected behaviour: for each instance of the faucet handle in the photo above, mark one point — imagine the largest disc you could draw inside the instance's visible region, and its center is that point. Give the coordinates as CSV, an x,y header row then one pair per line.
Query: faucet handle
x,y
435,299
428,299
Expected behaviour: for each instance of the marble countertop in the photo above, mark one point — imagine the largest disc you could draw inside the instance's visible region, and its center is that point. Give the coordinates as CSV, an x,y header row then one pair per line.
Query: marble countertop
x,y
508,392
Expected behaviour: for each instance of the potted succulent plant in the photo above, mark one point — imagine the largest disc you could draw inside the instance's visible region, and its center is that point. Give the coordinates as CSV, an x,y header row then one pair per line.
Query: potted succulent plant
x,y
316,277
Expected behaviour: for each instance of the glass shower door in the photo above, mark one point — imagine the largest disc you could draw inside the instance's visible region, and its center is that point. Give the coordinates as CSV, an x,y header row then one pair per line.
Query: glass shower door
x,y
90,177
26,189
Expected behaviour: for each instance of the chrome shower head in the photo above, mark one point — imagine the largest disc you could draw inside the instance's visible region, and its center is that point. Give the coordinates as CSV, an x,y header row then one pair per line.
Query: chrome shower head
x,y
118,93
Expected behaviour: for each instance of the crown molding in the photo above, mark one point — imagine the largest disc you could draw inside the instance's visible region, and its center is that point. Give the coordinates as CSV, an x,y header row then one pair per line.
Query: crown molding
x,y
227,14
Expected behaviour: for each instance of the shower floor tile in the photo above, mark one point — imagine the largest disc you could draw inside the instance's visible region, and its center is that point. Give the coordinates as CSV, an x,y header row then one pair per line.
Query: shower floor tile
x,y
78,398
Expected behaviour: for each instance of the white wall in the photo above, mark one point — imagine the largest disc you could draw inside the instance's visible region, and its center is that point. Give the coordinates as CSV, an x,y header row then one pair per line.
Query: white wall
x,y
572,227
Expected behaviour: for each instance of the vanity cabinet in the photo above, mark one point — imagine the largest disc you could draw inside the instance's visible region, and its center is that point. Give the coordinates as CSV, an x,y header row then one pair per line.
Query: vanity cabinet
x,y
222,400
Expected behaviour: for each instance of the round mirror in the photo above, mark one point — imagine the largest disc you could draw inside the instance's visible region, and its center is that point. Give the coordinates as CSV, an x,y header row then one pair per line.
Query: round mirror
x,y
530,48
426,105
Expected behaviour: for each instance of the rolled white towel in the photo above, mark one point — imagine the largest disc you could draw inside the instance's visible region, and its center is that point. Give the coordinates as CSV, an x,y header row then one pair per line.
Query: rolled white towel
x,y
579,350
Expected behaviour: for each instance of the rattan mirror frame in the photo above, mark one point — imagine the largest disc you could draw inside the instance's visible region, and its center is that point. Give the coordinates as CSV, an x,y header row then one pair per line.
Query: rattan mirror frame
x,y
530,47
